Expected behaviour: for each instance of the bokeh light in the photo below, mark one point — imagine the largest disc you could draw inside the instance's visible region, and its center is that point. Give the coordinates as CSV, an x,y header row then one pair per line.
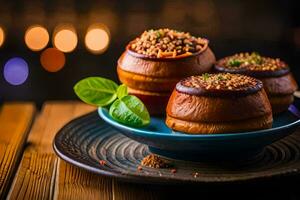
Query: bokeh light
x,y
65,38
2,36
16,71
97,38
36,37
52,59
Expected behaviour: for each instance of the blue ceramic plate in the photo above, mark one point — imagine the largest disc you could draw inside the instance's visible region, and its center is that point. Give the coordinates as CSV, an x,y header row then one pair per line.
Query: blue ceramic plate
x,y
164,141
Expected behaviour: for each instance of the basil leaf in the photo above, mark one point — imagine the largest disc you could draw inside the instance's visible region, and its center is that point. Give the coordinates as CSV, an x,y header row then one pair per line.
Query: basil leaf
x,y
131,111
96,91
122,91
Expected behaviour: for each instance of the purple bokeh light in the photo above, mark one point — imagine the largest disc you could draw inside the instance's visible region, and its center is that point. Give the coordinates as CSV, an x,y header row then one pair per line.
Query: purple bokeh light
x,y
16,71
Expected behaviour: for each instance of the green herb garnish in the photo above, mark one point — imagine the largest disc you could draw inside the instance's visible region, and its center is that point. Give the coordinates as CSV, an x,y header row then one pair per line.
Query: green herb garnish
x,y
220,78
158,34
130,110
256,58
205,76
234,63
124,108
96,91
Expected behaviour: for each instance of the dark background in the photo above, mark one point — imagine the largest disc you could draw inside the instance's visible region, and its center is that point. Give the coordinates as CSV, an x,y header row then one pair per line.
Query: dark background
x,y
269,27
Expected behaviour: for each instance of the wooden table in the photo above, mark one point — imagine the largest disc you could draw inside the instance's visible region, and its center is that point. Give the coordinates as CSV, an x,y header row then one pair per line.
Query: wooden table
x,y
29,169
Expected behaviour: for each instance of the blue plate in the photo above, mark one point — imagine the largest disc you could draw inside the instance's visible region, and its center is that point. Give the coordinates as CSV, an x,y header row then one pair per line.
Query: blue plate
x,y
166,142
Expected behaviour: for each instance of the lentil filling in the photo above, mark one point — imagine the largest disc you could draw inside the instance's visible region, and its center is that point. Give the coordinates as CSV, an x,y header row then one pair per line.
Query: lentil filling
x,y
251,62
220,83
167,43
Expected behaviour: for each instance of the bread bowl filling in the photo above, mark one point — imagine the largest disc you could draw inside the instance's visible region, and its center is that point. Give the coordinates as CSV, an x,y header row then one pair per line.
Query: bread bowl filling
x,y
222,81
167,43
253,62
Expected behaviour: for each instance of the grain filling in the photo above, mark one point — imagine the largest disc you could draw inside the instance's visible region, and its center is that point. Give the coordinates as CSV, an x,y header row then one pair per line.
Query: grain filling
x,y
167,43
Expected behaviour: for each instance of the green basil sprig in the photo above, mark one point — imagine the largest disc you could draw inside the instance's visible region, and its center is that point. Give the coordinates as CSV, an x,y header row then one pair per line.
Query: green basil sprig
x,y
124,108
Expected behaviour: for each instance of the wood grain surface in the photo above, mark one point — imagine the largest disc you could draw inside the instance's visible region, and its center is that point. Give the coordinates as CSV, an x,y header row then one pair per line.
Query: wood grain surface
x,y
75,183
36,175
42,175
39,174
15,122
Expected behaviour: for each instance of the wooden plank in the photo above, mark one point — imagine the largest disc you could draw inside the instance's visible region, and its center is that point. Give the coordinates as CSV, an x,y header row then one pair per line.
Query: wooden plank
x,y
15,122
36,175
42,175
133,191
75,183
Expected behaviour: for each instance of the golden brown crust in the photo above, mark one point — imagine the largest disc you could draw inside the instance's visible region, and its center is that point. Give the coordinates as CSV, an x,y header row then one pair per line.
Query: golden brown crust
x,y
262,122
219,84
150,93
149,77
281,103
155,102
146,83
217,109
282,85
274,73
173,68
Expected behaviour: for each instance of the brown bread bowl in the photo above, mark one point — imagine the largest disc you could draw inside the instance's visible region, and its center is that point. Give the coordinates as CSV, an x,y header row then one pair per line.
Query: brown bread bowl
x,y
151,74
218,103
277,79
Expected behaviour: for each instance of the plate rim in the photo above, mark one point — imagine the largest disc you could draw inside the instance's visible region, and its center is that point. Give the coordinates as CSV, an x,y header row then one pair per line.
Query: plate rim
x,y
157,180
101,111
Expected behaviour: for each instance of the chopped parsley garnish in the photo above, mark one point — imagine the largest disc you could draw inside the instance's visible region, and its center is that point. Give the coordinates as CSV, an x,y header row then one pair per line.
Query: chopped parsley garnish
x,y
235,63
256,58
158,34
220,78
205,76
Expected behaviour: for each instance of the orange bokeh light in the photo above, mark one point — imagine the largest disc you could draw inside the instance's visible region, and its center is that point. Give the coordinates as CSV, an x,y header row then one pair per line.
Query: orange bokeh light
x,y
36,38
97,39
65,38
2,36
52,59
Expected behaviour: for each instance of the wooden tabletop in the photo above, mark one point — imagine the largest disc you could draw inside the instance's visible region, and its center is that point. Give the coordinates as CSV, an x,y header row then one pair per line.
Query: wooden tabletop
x,y
29,169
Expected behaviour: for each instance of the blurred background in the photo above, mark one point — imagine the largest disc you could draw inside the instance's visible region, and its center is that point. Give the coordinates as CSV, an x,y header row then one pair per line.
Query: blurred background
x,y
89,36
